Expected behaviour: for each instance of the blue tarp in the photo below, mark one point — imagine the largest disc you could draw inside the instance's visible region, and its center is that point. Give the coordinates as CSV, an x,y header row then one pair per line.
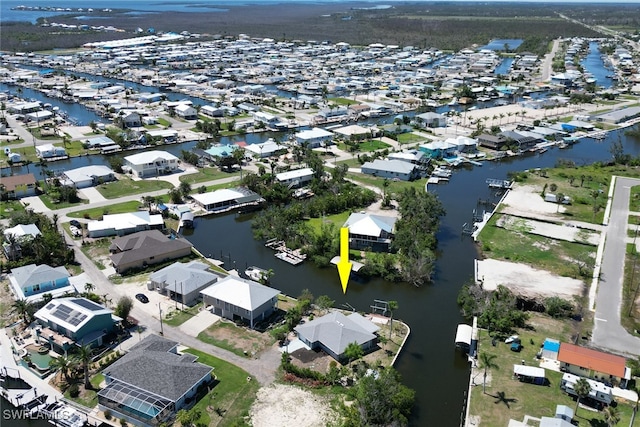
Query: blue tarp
x,y
551,345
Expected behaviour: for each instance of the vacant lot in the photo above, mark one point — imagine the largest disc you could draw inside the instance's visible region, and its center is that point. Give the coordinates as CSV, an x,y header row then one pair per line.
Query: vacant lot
x,y
239,340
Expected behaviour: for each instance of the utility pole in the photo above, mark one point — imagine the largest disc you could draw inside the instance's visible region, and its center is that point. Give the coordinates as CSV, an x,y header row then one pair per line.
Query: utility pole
x,y
160,310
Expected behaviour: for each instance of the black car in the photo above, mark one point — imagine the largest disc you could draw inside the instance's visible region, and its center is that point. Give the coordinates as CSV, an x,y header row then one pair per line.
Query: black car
x,y
142,298
75,223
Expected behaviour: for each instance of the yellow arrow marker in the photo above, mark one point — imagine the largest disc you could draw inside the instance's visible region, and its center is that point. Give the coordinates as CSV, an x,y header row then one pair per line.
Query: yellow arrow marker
x,y
344,266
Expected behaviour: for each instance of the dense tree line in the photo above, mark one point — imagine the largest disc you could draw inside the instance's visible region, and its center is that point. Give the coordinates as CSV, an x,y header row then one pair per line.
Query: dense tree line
x,y
415,238
47,248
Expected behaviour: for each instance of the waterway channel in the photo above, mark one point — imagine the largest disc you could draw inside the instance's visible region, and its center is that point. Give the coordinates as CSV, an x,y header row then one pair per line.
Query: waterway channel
x,y
429,364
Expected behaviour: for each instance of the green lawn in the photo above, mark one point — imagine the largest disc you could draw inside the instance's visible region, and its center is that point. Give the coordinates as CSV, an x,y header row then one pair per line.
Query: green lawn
x,y
373,145
75,148
96,213
9,207
337,219
126,186
409,138
207,174
164,122
88,398
60,205
507,397
343,101
233,394
178,317
394,186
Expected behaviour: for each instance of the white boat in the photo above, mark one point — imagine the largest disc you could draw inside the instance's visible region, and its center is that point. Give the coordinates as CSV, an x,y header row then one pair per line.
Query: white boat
x,y
257,274
441,172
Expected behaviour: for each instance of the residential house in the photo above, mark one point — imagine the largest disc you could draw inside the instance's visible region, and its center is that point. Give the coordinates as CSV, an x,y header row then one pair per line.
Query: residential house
x,y
227,199
99,142
16,236
129,119
594,364
370,232
68,321
165,136
241,300
48,151
18,186
151,163
355,132
494,142
87,176
144,248
267,119
333,332
265,149
392,169
432,120
295,178
414,157
31,281
125,223
439,149
182,281
522,141
314,138
186,111
152,382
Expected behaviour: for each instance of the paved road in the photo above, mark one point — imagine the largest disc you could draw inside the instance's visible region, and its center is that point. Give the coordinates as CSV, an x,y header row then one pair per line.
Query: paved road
x,y
607,331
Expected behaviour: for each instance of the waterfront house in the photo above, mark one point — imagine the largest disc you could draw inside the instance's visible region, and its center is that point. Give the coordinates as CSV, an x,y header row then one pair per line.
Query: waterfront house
x,y
151,163
16,236
124,223
48,151
31,281
494,142
431,120
98,142
267,119
182,281
295,178
129,119
265,149
18,186
391,169
594,364
439,149
87,176
186,111
68,321
144,248
314,138
370,232
333,332
152,382
226,199
414,157
239,299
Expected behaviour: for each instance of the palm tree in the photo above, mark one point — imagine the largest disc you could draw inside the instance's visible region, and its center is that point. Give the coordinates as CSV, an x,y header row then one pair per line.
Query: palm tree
x,y
582,389
84,357
185,189
393,305
488,363
23,308
89,287
611,416
63,364
353,351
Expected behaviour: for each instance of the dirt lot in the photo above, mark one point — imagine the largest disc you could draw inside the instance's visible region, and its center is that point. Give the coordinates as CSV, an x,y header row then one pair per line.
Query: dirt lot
x,y
285,405
241,339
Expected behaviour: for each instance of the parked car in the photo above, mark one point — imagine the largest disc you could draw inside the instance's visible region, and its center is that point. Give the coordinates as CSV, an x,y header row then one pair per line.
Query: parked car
x,y
516,346
142,298
75,223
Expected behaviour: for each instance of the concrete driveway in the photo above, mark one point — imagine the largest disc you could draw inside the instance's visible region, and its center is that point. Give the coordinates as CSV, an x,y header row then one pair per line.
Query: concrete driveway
x,y
607,331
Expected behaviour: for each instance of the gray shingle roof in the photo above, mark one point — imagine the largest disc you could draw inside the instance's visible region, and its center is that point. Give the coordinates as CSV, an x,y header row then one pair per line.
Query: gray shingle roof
x,y
151,367
144,245
240,292
336,331
184,278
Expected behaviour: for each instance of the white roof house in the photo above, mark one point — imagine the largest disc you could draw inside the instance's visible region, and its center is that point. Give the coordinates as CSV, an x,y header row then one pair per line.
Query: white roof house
x,y
314,137
87,176
392,169
265,149
373,232
296,177
226,198
151,163
410,156
125,223
21,231
49,150
184,281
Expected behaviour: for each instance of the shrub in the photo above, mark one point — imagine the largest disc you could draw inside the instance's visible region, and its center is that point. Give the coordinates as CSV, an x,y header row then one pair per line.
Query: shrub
x,y
74,390
107,414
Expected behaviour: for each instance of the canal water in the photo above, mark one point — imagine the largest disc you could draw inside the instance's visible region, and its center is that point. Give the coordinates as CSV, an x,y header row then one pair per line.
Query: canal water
x,y
594,64
429,364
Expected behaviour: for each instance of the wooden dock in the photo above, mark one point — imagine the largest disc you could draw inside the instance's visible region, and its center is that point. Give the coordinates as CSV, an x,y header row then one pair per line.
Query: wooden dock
x,y
293,257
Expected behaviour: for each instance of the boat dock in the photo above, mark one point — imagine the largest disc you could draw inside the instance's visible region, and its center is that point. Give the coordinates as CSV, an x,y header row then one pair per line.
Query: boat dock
x,y
499,183
293,257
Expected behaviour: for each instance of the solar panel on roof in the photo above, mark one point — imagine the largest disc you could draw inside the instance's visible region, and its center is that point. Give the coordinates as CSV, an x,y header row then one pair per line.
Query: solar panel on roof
x,y
50,306
89,305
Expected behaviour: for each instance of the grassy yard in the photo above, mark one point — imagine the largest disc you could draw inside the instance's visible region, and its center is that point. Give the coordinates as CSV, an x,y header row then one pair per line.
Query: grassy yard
x,y
410,138
337,219
178,317
394,186
507,397
48,202
97,213
98,252
232,396
207,174
88,398
126,186
9,207
343,101
557,256
236,339
373,145
164,122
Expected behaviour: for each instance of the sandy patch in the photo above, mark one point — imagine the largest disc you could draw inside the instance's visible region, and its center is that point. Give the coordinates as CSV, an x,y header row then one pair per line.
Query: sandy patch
x,y
525,280
527,198
284,405
559,232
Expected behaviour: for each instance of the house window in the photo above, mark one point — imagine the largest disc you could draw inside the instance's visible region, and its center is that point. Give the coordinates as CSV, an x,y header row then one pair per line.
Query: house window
x,y
36,288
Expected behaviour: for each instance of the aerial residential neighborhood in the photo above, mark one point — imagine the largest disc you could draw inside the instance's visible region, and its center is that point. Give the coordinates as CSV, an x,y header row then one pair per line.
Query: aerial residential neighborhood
x,y
178,210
